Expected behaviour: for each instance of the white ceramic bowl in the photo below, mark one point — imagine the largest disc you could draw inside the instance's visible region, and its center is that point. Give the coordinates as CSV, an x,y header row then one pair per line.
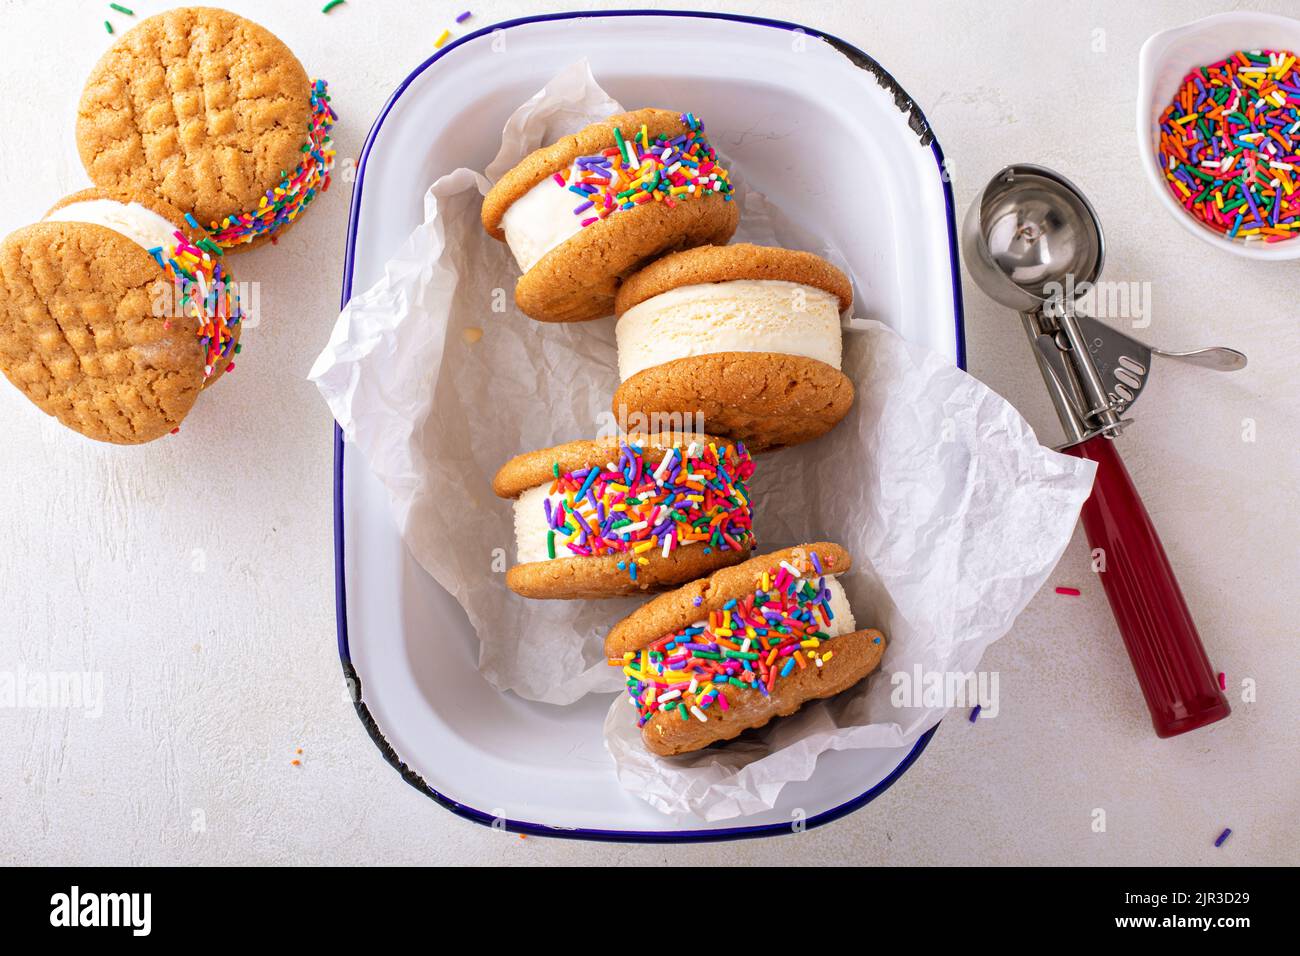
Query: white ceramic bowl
x,y
408,649
1169,56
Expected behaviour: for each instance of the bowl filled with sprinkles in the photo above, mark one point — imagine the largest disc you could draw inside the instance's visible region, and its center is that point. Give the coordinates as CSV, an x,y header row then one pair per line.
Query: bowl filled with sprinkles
x,y
1219,130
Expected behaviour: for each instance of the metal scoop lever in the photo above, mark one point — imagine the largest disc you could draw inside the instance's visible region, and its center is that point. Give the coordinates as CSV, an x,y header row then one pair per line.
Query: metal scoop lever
x,y
1124,362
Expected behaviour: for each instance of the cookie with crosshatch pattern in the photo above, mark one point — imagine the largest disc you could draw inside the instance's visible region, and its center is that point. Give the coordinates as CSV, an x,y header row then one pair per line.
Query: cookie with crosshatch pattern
x,y
213,114
115,315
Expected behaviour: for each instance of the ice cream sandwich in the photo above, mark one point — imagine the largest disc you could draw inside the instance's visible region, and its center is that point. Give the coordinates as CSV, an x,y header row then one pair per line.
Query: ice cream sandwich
x,y
213,114
584,213
116,314
728,653
746,336
625,515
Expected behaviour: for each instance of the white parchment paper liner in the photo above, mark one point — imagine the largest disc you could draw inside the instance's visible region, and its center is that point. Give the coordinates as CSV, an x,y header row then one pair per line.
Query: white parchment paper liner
x,y
954,515
953,512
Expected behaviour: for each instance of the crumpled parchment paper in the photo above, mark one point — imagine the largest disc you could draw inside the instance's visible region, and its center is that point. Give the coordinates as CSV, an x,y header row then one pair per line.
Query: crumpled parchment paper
x,y
952,510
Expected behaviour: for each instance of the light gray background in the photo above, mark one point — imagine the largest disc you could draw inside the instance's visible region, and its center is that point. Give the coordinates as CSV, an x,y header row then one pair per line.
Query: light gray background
x,y
196,573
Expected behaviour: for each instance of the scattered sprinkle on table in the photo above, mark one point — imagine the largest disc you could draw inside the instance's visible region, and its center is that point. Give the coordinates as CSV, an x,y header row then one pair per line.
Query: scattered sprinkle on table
x,y
1227,832
463,17
1230,144
442,38
1073,592
1223,681
121,9
108,26
330,6
974,713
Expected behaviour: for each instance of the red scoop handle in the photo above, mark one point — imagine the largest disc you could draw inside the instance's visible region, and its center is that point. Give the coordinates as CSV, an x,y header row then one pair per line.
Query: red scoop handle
x,y
1180,687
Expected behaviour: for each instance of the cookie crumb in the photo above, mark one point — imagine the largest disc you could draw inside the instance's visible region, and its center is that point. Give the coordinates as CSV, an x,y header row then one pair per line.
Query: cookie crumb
x,y
471,335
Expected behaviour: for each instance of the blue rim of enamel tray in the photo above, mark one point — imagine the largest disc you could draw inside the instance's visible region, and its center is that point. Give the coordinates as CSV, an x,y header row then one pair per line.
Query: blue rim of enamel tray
x,y
919,125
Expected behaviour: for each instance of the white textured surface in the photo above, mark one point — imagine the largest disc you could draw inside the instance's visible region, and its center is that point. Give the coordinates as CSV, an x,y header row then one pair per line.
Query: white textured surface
x,y
743,315
195,574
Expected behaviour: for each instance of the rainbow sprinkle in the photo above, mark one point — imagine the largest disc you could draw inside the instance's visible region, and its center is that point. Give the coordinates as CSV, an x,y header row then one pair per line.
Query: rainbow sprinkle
x,y
750,644
205,291
1230,145
632,506
636,171
297,189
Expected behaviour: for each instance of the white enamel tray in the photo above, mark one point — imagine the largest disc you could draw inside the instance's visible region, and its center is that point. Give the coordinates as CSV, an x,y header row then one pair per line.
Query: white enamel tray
x,y
825,133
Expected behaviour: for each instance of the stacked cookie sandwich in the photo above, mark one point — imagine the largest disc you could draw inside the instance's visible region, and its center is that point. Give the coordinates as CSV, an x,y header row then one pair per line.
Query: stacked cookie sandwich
x,y
203,136
630,217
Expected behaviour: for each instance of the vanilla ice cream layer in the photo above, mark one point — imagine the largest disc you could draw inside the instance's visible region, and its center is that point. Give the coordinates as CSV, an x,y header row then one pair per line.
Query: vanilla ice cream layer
x,y
140,224
540,220
531,529
842,621
742,315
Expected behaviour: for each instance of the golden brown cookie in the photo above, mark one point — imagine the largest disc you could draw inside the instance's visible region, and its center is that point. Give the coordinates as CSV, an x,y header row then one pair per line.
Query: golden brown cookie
x,y
608,212
608,576
534,468
113,339
766,400
855,656
626,515
746,336
558,156
741,260
752,642
215,115
678,609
